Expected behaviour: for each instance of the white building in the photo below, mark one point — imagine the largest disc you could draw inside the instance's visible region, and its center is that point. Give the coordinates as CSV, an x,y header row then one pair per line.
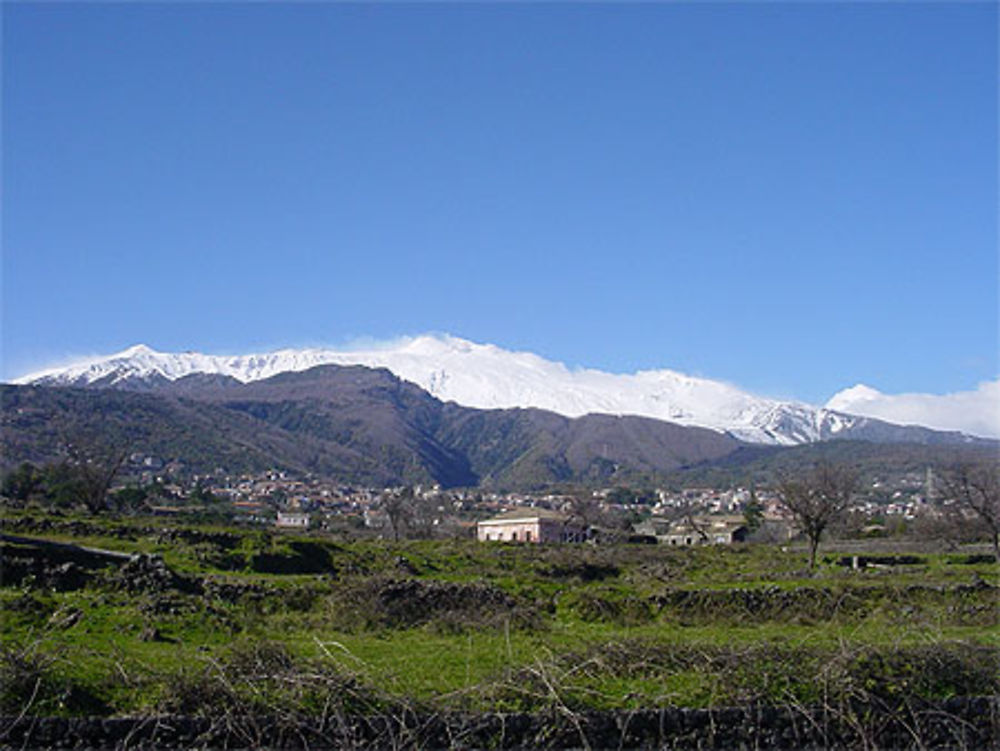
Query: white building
x,y
530,525
292,520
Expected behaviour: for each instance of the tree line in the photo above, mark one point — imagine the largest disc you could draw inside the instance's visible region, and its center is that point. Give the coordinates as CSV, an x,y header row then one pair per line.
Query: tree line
x,y
818,498
822,496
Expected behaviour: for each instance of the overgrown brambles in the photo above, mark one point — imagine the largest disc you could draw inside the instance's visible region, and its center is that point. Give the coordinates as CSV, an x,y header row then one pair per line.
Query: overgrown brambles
x,y
33,681
757,673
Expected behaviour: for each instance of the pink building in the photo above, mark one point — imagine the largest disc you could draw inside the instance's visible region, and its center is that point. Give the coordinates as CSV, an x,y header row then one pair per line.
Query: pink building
x,y
530,525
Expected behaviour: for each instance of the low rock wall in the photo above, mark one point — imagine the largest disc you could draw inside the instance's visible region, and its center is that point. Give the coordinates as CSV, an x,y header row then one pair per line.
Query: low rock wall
x,y
961,723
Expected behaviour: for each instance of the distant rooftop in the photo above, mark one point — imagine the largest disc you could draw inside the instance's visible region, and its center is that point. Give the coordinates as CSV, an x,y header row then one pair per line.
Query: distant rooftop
x,y
524,514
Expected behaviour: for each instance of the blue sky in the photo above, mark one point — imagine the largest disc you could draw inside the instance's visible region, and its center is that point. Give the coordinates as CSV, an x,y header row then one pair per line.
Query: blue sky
x,y
794,198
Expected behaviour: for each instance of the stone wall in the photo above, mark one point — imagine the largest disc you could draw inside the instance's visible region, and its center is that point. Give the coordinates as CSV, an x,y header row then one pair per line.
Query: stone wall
x,y
962,723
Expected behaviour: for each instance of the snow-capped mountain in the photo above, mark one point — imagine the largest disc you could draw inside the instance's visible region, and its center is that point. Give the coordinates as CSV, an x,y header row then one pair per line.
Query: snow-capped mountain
x,y
975,411
487,377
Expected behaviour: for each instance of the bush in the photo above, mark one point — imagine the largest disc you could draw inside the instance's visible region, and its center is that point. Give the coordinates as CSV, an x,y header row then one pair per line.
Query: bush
x,y
30,683
388,602
258,690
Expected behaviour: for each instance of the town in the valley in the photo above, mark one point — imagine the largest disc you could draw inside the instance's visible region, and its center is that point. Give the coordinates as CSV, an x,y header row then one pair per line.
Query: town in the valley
x,y
672,516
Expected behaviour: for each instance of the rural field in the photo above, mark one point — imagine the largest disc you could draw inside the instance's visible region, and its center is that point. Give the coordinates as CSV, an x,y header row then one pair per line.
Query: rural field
x,y
211,635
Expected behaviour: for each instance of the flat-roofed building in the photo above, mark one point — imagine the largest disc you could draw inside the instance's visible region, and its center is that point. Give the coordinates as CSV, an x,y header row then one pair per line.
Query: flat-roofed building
x,y
292,520
699,530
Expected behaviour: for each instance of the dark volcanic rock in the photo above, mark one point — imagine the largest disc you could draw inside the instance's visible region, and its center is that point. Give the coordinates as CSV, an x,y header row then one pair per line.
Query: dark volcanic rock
x,y
412,601
149,573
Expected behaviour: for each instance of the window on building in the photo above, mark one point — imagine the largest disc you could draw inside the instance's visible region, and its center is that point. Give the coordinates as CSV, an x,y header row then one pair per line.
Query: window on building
x,y
513,536
527,536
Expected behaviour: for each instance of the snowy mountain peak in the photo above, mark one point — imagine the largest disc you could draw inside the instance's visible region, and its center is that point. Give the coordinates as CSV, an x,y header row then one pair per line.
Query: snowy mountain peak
x,y
488,377
853,395
135,351
435,344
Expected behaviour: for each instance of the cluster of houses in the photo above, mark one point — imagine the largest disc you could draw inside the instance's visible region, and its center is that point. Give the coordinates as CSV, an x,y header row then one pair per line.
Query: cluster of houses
x,y
517,518
534,525
692,516
291,503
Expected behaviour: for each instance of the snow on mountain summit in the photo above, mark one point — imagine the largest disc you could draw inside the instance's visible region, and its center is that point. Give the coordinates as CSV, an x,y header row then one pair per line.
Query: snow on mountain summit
x,y
976,411
848,398
488,377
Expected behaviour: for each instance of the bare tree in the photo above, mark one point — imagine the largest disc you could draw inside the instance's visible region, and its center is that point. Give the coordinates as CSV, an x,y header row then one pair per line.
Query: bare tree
x,y
398,507
429,515
686,512
95,470
585,511
975,488
817,498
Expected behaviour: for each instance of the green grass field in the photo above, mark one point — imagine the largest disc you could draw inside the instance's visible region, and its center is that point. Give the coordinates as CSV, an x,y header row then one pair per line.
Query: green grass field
x,y
260,620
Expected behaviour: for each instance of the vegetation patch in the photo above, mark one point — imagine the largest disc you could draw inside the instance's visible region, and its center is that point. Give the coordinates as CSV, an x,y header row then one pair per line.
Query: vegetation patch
x,y
394,603
298,557
421,639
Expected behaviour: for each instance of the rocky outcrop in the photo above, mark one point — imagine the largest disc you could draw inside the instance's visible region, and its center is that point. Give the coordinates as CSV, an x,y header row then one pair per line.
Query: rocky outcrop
x,y
150,574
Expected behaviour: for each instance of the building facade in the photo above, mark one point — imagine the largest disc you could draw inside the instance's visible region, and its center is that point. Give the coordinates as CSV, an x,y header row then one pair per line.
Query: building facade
x,y
292,520
703,530
530,525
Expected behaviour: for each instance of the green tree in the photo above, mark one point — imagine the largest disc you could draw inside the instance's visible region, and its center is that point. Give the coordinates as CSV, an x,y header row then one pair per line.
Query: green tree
x,y
753,512
277,498
62,486
128,498
621,495
23,483
201,493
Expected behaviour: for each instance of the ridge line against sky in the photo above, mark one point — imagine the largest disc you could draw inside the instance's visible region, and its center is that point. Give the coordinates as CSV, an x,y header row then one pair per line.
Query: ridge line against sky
x,y
976,412
793,198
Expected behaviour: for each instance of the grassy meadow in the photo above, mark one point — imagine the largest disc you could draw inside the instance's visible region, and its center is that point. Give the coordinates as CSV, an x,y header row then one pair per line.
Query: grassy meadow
x,y
212,620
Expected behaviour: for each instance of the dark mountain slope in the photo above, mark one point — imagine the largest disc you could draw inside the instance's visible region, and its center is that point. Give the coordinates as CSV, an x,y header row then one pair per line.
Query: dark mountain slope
x,y
365,426
354,424
370,412
533,447
371,409
37,422
764,464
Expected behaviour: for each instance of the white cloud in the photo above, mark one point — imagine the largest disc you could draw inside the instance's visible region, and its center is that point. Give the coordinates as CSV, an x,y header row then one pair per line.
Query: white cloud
x,y
974,412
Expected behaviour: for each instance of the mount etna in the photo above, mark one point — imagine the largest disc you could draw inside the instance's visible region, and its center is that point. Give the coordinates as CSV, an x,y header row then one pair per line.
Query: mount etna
x,y
488,377
366,425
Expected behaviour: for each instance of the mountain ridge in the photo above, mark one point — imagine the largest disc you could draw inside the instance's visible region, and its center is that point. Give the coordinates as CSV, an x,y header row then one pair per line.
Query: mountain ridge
x,y
366,426
354,424
484,376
